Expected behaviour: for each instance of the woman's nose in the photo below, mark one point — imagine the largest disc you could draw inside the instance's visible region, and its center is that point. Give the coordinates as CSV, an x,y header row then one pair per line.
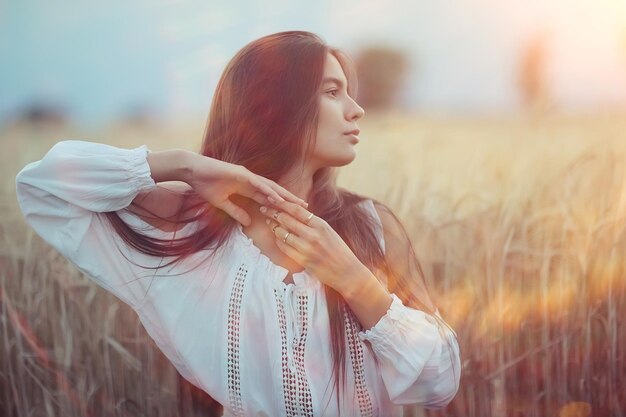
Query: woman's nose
x,y
356,112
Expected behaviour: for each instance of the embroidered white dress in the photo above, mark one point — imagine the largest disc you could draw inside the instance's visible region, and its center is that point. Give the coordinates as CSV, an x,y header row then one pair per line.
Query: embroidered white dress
x,y
231,326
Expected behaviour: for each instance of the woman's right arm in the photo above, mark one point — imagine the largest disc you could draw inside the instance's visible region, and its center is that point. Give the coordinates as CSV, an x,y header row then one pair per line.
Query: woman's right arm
x,y
63,197
213,180
171,165
165,200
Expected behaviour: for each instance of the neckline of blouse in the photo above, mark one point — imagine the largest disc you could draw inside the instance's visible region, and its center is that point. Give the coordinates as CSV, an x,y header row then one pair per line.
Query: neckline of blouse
x,y
301,279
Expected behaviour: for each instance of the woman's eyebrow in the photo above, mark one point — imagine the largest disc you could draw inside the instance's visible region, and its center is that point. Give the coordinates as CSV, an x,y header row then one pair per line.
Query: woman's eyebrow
x,y
333,80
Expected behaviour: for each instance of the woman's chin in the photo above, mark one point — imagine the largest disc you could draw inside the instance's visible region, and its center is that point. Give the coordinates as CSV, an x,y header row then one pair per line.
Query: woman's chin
x,y
340,160
345,161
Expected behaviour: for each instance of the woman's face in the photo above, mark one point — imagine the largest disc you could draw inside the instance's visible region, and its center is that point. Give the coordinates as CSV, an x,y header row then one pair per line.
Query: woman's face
x,y
338,114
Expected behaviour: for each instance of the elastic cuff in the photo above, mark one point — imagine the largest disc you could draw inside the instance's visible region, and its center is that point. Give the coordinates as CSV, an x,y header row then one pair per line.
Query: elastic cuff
x,y
139,168
395,320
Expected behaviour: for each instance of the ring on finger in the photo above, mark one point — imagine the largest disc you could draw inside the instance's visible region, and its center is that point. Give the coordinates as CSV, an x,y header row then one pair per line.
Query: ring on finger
x,y
274,228
309,218
286,236
275,215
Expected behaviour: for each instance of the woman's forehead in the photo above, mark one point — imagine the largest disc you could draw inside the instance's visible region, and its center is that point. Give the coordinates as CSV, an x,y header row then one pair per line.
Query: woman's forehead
x,y
333,73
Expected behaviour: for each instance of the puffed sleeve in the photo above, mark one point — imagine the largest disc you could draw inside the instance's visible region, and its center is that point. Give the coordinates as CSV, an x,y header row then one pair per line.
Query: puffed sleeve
x,y
63,195
418,356
418,353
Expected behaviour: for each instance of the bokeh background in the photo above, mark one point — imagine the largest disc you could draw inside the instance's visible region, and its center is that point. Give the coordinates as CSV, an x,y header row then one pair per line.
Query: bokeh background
x,y
496,130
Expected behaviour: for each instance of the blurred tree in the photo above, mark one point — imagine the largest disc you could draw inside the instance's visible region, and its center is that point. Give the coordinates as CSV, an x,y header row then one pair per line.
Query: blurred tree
x,y
532,74
139,115
381,71
623,45
39,113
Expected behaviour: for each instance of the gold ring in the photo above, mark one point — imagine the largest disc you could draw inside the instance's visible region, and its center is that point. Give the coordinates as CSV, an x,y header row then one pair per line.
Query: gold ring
x,y
275,215
286,236
274,228
309,218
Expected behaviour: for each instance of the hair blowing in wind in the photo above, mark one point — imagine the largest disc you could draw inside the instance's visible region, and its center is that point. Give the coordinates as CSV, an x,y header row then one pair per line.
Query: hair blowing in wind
x,y
264,117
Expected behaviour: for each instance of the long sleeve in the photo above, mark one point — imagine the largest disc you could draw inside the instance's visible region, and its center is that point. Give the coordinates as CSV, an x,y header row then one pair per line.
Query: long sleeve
x,y
418,354
419,357
63,195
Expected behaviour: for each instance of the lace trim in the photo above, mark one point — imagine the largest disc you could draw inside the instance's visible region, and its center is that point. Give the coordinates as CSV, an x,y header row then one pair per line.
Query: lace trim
x,y
356,357
234,312
305,400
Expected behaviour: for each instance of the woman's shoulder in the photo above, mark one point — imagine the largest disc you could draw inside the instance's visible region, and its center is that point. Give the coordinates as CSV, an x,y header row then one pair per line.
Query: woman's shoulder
x,y
381,211
390,224
372,205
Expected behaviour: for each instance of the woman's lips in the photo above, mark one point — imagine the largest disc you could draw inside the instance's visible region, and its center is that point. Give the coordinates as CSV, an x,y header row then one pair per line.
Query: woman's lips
x,y
353,138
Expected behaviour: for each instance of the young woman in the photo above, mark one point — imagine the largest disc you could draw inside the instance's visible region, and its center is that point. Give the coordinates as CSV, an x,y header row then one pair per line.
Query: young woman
x,y
267,299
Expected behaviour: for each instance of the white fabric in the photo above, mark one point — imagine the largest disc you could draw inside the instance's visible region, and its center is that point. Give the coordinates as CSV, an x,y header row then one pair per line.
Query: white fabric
x,y
231,326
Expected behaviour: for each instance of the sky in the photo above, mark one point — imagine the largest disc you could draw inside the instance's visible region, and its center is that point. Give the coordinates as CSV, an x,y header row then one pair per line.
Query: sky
x,y
100,60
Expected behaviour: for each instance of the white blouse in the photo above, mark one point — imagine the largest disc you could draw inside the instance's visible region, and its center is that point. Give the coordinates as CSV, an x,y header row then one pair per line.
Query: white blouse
x,y
230,325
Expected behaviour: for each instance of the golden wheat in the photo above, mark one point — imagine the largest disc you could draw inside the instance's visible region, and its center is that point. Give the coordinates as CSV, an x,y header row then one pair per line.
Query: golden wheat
x,y
519,223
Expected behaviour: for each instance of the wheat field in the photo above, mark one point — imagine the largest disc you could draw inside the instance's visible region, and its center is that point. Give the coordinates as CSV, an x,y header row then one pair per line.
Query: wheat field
x,y
519,223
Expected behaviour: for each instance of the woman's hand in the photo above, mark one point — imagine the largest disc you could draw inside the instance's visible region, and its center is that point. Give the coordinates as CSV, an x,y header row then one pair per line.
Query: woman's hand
x,y
215,181
313,244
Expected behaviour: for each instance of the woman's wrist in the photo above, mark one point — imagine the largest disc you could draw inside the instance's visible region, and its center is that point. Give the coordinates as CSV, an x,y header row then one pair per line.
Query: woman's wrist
x,y
171,165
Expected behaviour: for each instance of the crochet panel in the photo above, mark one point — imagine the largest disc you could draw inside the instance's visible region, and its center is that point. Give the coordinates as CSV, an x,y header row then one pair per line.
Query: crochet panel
x,y
356,356
234,313
296,390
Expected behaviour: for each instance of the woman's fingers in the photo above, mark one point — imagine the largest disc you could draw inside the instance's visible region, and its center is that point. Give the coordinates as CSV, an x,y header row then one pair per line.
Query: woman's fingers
x,y
289,196
264,187
260,198
270,188
235,212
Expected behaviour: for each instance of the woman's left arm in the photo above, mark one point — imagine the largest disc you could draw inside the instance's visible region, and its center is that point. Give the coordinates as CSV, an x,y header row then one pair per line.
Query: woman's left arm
x,y
418,353
419,358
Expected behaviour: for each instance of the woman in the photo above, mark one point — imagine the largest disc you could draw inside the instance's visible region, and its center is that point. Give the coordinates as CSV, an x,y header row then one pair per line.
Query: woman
x,y
281,297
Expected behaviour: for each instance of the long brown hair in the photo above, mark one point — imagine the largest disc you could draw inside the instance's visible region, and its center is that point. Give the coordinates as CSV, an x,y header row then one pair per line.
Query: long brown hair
x,y
267,104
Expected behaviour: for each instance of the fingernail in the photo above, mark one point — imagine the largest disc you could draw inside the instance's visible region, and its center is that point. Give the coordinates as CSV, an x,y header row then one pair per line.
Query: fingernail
x,y
263,209
267,221
271,199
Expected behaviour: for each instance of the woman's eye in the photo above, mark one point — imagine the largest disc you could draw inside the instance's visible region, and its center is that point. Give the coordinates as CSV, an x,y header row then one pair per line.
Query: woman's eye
x,y
332,91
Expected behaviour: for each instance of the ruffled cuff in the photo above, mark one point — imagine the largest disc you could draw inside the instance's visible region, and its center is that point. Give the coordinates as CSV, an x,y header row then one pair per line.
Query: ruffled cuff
x,y
416,364
139,169
397,322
